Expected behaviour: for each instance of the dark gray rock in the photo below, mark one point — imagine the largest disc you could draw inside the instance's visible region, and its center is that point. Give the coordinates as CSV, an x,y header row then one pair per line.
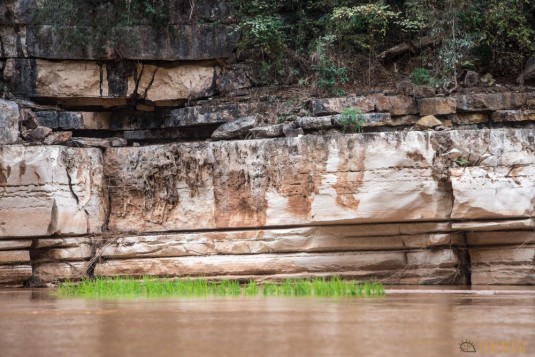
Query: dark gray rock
x,y
28,118
291,131
9,122
212,114
315,123
48,118
235,129
269,131
21,75
172,43
233,79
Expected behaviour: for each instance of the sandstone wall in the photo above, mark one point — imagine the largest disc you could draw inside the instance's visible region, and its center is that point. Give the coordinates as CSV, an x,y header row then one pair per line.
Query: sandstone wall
x,y
154,154
388,206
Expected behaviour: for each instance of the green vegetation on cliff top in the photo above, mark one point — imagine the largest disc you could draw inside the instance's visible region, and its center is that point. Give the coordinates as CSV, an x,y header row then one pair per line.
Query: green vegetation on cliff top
x,y
149,287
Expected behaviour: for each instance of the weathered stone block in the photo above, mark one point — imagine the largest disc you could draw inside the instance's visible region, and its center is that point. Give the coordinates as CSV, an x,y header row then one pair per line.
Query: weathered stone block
x,y
503,265
14,256
326,106
235,129
518,239
468,118
49,190
294,240
437,106
513,115
9,122
53,272
88,81
493,192
15,244
490,101
395,105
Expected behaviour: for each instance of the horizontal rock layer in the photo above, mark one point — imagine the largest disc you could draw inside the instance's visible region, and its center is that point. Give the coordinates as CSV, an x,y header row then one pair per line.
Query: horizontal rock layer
x,y
383,177
397,207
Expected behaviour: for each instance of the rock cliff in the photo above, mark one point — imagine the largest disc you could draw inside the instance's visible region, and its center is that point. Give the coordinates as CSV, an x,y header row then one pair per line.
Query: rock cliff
x,y
160,159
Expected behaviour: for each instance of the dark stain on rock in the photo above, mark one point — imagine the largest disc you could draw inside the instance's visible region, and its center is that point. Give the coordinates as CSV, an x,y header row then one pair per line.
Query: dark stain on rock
x,y
349,174
53,225
5,172
22,169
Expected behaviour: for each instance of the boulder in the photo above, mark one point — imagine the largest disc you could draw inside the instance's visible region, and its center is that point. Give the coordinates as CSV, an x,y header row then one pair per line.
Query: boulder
x,y
235,129
428,122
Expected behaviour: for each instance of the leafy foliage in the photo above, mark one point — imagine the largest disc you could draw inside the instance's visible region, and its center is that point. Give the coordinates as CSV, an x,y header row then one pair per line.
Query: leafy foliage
x,y
420,76
351,120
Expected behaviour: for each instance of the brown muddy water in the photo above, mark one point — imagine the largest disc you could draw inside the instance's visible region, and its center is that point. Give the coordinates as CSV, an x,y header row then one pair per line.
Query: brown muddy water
x,y
402,323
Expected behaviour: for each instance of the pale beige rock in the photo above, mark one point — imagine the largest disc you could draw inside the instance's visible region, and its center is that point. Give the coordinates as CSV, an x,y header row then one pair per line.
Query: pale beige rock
x,y
293,181
52,272
14,256
503,255
49,190
427,122
15,244
258,264
518,239
493,192
70,79
503,265
503,274
175,82
14,275
501,225
312,239
496,147
61,242
443,258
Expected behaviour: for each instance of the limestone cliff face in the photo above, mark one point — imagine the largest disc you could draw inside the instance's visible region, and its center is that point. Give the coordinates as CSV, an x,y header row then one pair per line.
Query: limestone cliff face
x,y
153,155
391,206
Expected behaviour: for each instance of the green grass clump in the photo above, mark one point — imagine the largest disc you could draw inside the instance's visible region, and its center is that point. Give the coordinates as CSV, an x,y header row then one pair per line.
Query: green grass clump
x,y
149,287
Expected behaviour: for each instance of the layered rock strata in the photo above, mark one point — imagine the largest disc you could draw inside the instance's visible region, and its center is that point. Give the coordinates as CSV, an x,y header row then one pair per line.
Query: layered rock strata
x,y
396,207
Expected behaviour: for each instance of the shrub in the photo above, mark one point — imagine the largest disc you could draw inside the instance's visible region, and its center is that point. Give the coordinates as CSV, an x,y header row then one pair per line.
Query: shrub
x,y
420,76
351,120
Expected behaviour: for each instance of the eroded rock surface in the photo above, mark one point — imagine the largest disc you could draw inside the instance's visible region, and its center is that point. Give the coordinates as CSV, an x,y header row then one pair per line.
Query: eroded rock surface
x,y
50,190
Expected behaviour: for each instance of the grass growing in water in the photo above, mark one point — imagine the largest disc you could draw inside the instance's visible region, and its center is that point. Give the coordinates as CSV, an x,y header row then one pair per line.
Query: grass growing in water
x,y
149,287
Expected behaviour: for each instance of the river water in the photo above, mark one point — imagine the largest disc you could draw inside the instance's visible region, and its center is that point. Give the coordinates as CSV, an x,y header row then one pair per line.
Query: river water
x,y
38,323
